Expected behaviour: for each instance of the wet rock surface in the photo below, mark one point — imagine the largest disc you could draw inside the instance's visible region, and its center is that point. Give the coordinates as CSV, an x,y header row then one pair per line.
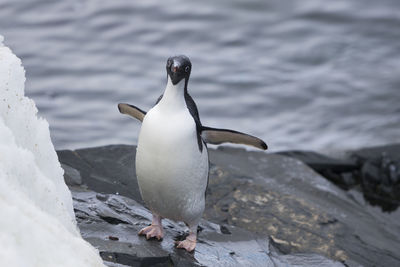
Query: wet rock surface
x,y
261,209
373,171
111,222
336,170
379,175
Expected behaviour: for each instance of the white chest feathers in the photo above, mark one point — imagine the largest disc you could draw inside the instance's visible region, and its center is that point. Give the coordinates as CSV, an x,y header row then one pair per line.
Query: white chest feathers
x,y
172,171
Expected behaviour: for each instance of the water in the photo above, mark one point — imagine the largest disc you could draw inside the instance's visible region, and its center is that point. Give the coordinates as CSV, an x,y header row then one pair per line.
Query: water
x,y
300,74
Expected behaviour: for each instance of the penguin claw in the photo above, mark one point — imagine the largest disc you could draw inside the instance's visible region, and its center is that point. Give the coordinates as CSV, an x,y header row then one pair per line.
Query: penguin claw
x,y
152,231
189,245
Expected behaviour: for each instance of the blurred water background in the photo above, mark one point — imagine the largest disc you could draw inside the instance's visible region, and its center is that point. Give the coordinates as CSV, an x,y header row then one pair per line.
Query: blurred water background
x,y
308,74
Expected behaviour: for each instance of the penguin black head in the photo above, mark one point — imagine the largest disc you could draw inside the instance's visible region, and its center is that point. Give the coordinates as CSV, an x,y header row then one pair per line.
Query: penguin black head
x,y
178,68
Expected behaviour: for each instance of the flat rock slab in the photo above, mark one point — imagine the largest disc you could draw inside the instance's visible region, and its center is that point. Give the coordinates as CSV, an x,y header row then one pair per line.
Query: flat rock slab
x,y
111,222
320,162
283,201
379,175
300,210
391,151
374,171
339,171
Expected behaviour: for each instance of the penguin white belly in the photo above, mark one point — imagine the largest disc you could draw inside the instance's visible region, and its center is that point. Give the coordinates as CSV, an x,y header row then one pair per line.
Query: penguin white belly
x,y
172,172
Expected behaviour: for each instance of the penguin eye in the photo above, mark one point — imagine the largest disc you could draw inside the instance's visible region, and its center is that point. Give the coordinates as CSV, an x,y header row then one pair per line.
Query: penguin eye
x,y
187,69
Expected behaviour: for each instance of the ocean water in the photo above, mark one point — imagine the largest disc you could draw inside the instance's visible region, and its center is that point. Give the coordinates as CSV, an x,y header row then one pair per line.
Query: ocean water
x,y
299,74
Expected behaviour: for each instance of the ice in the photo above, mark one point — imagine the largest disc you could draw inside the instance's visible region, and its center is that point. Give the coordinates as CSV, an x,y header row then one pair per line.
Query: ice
x,y
37,221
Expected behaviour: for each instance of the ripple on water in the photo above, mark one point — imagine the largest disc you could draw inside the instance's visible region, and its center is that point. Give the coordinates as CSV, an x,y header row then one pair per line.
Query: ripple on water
x,y
307,75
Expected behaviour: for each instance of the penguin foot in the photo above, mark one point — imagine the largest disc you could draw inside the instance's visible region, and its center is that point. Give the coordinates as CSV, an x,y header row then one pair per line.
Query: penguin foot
x,y
189,243
152,231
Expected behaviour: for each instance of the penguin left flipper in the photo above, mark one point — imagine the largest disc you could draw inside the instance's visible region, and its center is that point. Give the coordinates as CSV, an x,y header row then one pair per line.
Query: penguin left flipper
x,y
132,111
217,136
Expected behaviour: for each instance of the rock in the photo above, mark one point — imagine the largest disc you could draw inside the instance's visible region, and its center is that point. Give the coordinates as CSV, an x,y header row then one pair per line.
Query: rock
x,y
297,208
371,173
71,176
380,175
111,224
361,155
279,199
339,171
108,169
375,171
320,162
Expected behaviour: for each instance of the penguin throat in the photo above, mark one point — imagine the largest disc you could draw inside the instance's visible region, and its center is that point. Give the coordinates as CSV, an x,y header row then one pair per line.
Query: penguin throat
x,y
174,95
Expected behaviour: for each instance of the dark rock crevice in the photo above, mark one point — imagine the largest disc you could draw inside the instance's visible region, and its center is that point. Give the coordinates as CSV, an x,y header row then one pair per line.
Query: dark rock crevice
x,y
113,220
374,171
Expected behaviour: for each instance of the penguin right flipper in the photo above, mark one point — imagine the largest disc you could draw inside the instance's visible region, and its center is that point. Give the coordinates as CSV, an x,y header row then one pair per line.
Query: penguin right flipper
x,y
132,111
217,136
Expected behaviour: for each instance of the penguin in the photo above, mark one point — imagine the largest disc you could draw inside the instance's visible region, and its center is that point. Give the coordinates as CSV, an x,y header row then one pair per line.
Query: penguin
x,y
172,158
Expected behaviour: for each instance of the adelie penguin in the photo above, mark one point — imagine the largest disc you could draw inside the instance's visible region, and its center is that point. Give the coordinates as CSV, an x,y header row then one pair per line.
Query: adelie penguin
x,y
172,158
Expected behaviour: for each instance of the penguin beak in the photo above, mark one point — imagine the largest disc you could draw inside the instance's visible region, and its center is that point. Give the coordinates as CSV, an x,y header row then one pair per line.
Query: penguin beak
x,y
175,68
175,76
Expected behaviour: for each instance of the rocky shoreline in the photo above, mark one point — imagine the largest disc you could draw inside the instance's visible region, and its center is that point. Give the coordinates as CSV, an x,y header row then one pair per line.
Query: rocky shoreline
x,y
261,209
374,171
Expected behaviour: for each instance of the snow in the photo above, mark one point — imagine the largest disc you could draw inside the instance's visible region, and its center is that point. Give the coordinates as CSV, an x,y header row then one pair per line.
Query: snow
x,y
37,221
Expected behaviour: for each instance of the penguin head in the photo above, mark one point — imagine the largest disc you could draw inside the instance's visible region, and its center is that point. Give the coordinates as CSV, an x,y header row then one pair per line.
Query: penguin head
x,y
178,68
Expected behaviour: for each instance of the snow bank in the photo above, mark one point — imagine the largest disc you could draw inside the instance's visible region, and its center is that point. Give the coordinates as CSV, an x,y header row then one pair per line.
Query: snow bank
x,y
37,222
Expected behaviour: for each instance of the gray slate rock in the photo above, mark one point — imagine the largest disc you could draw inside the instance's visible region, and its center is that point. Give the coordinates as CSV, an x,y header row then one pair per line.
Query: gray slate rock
x,y
362,155
300,210
338,171
71,175
111,223
379,175
374,171
269,195
320,162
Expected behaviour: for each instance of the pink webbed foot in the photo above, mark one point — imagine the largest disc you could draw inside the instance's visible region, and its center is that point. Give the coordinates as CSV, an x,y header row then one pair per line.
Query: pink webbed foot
x,y
152,231
189,243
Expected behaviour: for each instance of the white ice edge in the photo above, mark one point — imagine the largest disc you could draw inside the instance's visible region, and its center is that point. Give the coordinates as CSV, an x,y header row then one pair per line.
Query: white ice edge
x,y
37,224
